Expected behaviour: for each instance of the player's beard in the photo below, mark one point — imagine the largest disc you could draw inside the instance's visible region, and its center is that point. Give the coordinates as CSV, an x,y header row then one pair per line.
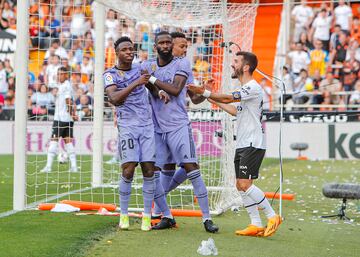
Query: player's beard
x,y
237,73
163,55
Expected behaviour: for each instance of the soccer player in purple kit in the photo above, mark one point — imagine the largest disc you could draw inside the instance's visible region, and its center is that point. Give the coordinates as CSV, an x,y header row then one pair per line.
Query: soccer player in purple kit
x,y
124,85
173,134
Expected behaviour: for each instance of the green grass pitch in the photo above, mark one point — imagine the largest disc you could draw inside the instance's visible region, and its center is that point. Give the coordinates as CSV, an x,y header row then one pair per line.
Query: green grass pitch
x,y
303,233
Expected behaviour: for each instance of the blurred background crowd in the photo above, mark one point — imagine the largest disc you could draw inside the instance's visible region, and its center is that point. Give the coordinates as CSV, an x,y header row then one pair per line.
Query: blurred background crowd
x,y
322,71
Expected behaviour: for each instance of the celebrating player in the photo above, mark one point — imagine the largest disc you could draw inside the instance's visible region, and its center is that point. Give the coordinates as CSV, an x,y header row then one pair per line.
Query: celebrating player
x,y
170,178
63,124
250,141
124,85
174,140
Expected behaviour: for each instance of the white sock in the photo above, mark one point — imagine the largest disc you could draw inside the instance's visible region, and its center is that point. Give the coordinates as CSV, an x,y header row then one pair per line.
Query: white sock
x,y
72,156
52,151
258,196
252,209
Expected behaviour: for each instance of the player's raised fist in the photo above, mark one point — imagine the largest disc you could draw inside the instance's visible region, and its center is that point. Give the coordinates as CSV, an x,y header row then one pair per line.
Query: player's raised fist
x,y
196,89
144,79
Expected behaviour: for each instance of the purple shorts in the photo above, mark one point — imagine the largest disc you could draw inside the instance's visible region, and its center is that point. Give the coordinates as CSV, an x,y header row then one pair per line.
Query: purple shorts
x,y
175,147
137,144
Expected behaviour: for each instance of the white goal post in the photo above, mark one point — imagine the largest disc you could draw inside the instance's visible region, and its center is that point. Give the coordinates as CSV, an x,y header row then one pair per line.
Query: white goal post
x,y
214,22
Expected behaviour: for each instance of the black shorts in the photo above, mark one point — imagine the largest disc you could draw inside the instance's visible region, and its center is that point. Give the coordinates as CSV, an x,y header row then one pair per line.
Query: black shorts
x,y
62,129
248,161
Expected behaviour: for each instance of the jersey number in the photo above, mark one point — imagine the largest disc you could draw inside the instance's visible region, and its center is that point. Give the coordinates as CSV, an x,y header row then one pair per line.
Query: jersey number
x,y
130,144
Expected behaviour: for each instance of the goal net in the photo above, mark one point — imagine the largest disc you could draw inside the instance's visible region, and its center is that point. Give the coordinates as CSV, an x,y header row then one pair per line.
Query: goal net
x,y
80,36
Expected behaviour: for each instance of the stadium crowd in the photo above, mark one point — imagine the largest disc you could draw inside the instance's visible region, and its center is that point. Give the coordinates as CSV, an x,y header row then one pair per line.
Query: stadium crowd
x,y
322,66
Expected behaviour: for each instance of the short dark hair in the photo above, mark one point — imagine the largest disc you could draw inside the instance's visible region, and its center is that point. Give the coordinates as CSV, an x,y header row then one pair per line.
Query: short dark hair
x,y
177,35
304,70
55,41
62,69
120,40
161,33
249,59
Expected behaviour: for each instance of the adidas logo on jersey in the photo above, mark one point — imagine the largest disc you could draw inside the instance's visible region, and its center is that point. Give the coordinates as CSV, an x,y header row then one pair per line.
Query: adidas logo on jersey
x,y
186,157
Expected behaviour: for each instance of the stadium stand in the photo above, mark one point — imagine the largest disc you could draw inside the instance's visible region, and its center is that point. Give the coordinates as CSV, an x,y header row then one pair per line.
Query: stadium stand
x,y
65,36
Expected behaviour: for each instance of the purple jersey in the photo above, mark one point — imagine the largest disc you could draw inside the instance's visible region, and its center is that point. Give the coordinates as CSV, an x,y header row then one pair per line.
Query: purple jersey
x,y
136,110
173,115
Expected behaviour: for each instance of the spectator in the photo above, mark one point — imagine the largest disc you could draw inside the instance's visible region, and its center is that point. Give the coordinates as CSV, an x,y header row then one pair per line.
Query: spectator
x,y
41,101
84,108
288,81
76,56
302,14
9,101
51,71
7,12
321,28
8,67
66,26
4,87
65,63
353,49
307,45
318,97
89,45
355,30
338,55
78,84
355,96
350,71
298,59
11,81
318,59
4,23
343,15
56,49
77,26
87,66
110,55
111,25
334,38
302,84
328,87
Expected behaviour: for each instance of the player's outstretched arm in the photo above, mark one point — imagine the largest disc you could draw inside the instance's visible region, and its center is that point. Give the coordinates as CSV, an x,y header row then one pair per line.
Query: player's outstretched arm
x,y
118,97
218,97
196,99
230,109
173,89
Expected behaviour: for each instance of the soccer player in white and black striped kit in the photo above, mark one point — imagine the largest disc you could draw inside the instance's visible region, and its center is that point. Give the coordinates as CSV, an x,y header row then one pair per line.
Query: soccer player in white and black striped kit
x,y
250,141
64,116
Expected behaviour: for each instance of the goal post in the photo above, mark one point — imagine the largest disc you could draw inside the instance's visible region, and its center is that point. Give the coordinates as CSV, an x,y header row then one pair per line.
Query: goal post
x,y
209,27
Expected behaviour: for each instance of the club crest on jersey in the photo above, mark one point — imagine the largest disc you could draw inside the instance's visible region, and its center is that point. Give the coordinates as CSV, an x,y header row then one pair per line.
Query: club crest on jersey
x,y
236,96
109,79
121,73
153,67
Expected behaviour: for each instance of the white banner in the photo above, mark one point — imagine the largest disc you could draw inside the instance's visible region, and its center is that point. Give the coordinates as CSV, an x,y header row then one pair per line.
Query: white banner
x,y
325,140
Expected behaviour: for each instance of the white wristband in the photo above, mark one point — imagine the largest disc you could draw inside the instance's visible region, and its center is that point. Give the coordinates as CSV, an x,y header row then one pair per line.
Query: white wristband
x,y
206,93
161,91
152,79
